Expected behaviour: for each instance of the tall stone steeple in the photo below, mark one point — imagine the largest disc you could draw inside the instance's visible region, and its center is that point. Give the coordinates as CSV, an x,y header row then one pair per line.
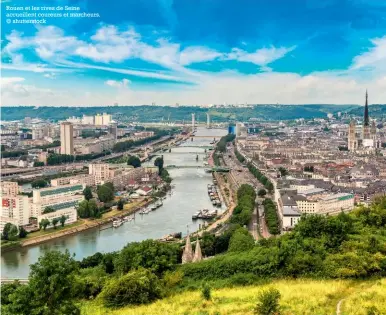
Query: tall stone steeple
x,y
187,256
366,121
197,252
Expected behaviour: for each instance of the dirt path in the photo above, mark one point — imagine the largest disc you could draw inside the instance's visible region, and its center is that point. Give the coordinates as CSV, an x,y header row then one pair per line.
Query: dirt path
x,y
338,306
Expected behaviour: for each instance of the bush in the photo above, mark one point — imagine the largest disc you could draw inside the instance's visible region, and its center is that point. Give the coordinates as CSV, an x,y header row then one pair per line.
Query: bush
x,y
268,303
90,282
171,280
136,287
206,292
241,240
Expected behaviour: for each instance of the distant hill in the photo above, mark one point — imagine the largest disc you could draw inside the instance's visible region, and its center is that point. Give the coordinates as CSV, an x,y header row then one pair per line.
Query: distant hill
x,y
375,111
147,113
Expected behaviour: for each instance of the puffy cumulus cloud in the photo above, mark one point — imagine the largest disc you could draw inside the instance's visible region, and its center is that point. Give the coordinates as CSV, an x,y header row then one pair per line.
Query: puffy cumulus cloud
x,y
119,84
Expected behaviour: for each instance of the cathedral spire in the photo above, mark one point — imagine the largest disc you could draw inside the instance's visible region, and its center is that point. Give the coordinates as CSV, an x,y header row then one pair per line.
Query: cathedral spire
x,y
187,255
366,121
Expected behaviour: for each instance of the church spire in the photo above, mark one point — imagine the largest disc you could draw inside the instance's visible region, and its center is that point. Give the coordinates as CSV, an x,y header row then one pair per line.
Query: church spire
x,y
366,121
187,255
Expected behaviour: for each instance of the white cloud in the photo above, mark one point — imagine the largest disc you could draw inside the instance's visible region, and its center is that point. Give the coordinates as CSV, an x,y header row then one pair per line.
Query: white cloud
x,y
51,75
374,58
119,84
197,54
261,57
109,44
10,80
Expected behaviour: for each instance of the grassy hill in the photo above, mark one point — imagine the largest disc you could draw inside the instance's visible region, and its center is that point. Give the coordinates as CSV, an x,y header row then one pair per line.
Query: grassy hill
x,y
305,297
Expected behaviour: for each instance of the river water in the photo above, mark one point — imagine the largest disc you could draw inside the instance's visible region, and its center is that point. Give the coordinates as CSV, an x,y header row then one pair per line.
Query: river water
x,y
188,195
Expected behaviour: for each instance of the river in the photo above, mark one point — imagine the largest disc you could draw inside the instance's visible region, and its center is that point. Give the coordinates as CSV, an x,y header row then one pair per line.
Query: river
x,y
188,195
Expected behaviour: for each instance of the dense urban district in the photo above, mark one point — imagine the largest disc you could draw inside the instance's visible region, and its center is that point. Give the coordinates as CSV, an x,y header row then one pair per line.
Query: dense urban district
x,y
296,222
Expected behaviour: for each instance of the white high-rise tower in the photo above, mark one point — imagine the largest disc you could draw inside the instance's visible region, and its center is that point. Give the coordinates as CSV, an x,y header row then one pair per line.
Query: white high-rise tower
x,y
207,120
66,138
193,122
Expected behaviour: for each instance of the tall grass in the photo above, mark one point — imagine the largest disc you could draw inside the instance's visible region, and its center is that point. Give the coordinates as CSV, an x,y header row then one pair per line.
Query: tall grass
x,y
306,297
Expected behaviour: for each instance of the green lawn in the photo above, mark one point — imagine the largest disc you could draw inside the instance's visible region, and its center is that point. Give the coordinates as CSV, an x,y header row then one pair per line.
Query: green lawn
x,y
51,230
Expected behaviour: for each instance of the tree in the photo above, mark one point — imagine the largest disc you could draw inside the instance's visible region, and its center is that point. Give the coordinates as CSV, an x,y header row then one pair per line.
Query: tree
x,y
44,223
105,194
241,240
268,303
37,164
283,171
134,161
22,232
159,162
55,221
87,193
48,210
136,287
120,204
261,193
150,254
82,209
10,232
63,219
88,209
51,280
39,183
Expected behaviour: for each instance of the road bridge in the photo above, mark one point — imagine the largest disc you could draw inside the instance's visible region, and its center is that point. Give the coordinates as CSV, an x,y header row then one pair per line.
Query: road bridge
x,y
178,152
208,169
195,146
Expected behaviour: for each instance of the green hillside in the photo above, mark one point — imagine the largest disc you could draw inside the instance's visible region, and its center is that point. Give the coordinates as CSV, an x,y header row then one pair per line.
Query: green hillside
x,y
298,297
156,113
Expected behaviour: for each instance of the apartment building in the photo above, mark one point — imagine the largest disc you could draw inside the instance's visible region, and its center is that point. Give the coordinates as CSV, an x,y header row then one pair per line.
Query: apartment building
x,y
84,179
100,171
15,209
9,188
63,199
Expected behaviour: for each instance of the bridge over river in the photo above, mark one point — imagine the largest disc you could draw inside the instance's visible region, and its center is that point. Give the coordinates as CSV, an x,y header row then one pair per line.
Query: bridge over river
x,y
208,169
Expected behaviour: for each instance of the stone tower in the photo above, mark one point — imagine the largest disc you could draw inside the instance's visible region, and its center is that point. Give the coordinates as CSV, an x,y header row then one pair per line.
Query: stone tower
x,y
352,140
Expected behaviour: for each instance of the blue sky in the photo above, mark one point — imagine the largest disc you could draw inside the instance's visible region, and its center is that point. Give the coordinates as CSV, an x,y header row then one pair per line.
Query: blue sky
x,y
196,52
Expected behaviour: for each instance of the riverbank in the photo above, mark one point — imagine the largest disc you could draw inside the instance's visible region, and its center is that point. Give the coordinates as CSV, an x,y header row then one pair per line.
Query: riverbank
x,y
85,225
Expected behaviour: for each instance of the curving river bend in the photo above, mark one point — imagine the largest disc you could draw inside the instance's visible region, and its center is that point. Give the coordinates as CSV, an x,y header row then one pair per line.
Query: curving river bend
x,y
188,195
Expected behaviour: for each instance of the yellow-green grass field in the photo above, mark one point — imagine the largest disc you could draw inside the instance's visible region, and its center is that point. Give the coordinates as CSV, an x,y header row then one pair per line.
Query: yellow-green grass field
x,y
305,297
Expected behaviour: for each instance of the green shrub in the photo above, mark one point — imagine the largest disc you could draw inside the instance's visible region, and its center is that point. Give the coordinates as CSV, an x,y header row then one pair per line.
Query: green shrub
x,y
241,240
206,292
242,279
268,303
171,280
136,287
90,282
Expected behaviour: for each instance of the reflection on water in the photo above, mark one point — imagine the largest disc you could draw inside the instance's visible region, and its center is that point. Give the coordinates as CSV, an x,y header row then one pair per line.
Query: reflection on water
x,y
189,194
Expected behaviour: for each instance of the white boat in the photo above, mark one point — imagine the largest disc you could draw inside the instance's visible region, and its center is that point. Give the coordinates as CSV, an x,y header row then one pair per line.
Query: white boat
x,y
117,222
